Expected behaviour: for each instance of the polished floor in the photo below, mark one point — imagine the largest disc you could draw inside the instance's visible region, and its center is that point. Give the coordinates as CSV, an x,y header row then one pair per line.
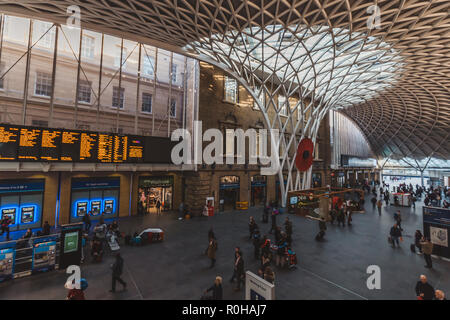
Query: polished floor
x,y
178,269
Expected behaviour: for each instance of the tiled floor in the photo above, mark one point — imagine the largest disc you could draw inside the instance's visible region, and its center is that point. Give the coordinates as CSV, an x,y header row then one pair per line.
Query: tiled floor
x,y
177,268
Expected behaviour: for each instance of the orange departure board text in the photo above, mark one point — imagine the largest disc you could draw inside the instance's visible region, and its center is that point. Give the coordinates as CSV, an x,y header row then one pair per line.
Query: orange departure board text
x,y
29,144
9,137
105,147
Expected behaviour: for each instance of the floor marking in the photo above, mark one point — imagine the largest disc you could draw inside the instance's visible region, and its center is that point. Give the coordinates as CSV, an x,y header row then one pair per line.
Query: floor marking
x,y
135,285
335,284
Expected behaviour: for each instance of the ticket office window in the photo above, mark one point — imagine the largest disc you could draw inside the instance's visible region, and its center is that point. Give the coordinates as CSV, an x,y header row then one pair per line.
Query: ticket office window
x,y
25,210
96,202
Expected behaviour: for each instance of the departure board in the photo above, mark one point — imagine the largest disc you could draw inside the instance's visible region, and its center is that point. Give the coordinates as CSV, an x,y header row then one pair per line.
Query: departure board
x,y
120,150
29,144
135,149
88,147
105,147
70,146
9,138
24,143
50,144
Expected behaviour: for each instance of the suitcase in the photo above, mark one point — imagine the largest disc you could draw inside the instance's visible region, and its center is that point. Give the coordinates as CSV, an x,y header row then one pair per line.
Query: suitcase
x,y
413,248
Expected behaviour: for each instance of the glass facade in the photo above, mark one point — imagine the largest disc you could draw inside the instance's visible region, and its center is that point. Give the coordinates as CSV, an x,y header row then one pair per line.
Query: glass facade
x,y
79,79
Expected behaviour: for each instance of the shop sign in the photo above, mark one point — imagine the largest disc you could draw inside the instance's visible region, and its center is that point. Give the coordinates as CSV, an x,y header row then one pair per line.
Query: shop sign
x,y
23,186
157,181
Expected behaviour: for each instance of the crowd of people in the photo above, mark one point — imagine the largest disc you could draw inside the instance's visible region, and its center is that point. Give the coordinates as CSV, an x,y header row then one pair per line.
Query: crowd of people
x,y
270,253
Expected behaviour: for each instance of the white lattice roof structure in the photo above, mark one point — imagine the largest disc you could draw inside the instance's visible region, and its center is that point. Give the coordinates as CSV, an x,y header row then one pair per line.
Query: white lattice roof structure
x,y
384,63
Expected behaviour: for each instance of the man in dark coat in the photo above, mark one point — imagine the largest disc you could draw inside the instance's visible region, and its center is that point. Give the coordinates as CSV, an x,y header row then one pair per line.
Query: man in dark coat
x,y
424,290
274,221
117,269
395,234
239,268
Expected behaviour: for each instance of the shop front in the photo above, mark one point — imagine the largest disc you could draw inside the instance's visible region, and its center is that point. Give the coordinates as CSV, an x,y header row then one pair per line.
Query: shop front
x,y
229,189
154,190
22,201
94,196
258,190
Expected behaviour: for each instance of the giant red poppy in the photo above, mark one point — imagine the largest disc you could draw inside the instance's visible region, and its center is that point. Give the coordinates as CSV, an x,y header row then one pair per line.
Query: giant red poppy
x,y
304,159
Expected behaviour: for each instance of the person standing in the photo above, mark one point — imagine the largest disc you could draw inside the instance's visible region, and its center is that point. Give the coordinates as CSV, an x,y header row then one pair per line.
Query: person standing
x,y
274,220
239,269
256,243
158,207
379,205
251,227
212,251
87,222
322,228
427,249
396,234
6,221
269,275
217,291
424,291
398,219
117,269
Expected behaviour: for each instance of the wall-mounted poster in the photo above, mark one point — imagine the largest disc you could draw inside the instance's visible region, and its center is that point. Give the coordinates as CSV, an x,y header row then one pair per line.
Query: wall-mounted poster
x,y
27,214
439,236
44,256
6,263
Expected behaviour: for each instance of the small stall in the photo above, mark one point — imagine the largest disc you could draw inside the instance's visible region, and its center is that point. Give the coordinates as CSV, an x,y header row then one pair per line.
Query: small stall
x,y
310,201
402,199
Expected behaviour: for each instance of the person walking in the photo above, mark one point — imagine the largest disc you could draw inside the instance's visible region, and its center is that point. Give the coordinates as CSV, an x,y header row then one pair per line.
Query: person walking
x,y
417,239
265,216
396,234
239,269
117,269
217,291
341,217
236,251
424,291
379,205
87,222
212,251
322,229
398,219
427,249
251,227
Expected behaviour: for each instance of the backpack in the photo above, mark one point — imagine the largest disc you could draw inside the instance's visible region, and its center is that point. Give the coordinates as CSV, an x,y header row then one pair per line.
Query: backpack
x,y
83,284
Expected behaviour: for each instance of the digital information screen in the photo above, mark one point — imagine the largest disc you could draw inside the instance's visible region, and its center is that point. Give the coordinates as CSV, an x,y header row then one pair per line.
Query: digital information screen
x,y
29,144
9,137
22,143
71,242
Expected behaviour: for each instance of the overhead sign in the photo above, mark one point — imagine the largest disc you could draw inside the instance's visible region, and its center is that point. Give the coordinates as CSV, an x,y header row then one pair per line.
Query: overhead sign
x,y
256,288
